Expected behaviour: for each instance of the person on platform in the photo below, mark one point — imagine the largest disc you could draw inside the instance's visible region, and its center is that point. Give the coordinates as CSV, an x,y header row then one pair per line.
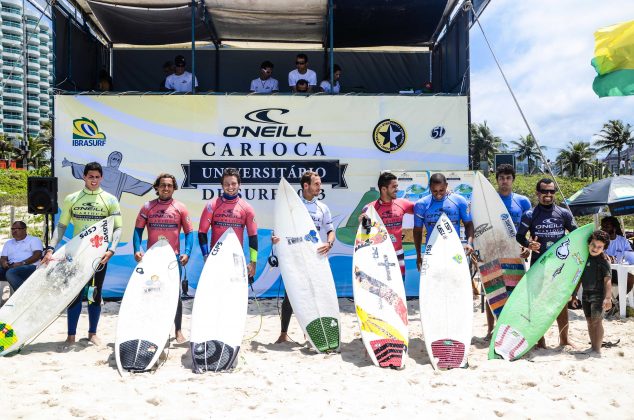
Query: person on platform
x,y
227,211
19,255
181,80
265,83
546,223
164,217
391,210
617,248
83,209
428,210
168,70
302,86
320,213
597,288
516,205
325,87
302,72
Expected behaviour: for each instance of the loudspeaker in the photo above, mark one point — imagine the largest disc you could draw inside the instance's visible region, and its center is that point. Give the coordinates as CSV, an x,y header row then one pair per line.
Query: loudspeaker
x,y
501,158
42,195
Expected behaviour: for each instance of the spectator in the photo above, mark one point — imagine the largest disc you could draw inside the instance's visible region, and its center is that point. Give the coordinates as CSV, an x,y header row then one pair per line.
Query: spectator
x,y
302,72
104,84
622,166
302,86
168,70
617,249
19,256
265,83
632,165
181,80
325,84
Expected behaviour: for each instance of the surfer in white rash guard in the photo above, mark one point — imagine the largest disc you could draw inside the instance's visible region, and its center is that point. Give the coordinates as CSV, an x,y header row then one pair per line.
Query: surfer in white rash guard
x,y
320,213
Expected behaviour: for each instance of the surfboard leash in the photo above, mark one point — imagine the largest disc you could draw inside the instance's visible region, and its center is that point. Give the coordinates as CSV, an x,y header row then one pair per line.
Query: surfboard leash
x,y
257,303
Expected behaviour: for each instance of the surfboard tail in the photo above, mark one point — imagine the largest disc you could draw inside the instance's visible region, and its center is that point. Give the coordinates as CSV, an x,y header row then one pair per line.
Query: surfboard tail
x,y
449,353
509,343
324,333
389,353
213,355
137,355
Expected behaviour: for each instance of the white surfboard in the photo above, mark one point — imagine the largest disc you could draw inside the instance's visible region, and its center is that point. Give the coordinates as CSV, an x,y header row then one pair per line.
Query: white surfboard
x,y
51,288
220,308
147,309
446,308
379,295
307,276
499,261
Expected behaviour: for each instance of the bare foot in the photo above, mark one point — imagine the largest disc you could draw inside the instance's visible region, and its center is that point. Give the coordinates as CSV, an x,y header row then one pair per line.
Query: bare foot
x,y
541,344
282,338
488,336
67,345
567,345
180,338
92,337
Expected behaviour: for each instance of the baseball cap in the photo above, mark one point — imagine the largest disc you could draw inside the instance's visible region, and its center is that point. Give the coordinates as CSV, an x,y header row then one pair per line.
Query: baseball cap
x,y
179,60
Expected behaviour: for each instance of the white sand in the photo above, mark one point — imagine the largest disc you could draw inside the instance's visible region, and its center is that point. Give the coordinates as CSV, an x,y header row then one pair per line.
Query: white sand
x,y
288,380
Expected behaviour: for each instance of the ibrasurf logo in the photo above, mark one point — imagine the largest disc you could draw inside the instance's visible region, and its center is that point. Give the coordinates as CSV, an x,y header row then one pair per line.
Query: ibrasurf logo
x,y
86,133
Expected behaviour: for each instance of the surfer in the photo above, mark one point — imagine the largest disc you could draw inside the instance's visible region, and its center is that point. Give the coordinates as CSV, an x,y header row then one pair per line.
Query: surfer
x,y
391,210
84,208
428,209
229,210
547,223
320,213
516,205
597,287
164,218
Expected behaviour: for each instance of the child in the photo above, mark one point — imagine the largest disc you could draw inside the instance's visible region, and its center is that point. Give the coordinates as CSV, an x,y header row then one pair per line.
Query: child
x,y
597,287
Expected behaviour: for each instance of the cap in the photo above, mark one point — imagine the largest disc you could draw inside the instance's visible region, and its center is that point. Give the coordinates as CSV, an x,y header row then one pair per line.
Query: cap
x,y
179,60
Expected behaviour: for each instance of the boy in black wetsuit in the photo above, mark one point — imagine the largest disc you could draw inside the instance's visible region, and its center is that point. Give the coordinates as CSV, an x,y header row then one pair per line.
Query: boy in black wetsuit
x,y
597,287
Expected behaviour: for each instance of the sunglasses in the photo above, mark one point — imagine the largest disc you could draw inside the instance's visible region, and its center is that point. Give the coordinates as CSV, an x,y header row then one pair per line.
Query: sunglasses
x,y
17,228
300,63
547,191
180,65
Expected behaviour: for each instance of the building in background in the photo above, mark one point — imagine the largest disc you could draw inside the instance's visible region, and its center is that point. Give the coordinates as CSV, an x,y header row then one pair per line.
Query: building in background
x,y
25,74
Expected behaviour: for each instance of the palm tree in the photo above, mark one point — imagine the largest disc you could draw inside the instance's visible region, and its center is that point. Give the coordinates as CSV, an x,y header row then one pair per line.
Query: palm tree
x,y
614,136
7,148
576,157
526,148
484,145
39,148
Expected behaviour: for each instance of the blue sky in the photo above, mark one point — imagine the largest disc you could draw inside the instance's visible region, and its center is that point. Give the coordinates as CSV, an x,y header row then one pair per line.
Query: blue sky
x,y
545,48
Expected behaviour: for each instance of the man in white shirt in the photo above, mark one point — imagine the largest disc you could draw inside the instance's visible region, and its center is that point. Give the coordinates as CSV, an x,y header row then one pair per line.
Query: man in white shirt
x,y
265,83
19,256
302,72
181,80
325,84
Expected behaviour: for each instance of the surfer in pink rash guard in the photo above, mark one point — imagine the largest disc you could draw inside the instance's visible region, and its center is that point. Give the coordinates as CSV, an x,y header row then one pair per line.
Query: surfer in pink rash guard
x,y
229,211
164,218
391,210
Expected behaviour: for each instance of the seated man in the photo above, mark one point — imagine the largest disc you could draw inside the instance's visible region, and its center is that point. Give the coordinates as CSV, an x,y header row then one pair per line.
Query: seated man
x,y
617,248
301,86
181,80
19,256
265,83
302,72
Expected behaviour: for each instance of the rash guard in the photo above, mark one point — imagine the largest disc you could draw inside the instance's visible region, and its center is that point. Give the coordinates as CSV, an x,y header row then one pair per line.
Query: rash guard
x,y
548,223
164,219
427,211
516,205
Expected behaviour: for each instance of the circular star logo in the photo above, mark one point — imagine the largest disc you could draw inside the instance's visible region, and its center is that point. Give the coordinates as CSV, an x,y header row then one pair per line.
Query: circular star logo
x,y
389,136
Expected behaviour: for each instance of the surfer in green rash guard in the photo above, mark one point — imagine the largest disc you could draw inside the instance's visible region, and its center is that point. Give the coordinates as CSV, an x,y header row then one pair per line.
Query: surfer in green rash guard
x,y
320,213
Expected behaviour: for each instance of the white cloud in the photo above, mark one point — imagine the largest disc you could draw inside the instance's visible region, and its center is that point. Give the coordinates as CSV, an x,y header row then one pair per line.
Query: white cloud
x,y
545,48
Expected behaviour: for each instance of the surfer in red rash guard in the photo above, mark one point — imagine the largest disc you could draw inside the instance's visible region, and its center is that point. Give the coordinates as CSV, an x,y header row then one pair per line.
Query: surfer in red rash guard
x,y
391,210
229,211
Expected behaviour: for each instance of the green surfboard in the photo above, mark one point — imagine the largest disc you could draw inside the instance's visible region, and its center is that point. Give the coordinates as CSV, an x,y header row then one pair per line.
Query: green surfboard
x,y
540,296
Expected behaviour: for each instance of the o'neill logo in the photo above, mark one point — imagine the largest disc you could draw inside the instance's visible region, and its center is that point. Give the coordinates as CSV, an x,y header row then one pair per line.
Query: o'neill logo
x,y
86,133
389,136
269,126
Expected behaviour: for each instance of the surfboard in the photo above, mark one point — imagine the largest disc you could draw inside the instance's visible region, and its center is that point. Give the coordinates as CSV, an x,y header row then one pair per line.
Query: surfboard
x,y
379,295
51,288
446,308
220,307
307,276
147,309
540,296
499,261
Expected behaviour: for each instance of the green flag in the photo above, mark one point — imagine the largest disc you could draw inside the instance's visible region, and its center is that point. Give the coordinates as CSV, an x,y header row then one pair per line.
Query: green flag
x,y
614,60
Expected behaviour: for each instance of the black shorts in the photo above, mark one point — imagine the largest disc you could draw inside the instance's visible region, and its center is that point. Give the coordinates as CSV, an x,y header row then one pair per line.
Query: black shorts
x,y
592,303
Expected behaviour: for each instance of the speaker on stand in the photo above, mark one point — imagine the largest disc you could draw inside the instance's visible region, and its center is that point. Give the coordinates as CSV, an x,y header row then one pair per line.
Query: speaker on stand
x,y
42,199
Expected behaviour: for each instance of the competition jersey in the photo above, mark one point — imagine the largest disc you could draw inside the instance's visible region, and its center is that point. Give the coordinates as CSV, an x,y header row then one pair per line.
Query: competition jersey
x,y
427,211
221,214
164,219
549,224
392,216
320,213
517,205
85,208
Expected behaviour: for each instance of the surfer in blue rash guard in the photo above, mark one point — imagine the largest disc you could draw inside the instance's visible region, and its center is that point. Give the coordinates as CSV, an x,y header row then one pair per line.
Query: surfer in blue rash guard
x,y
547,223
428,209
320,213
516,205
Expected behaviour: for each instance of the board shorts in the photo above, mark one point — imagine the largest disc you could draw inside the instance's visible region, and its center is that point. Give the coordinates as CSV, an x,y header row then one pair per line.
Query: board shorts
x,y
592,303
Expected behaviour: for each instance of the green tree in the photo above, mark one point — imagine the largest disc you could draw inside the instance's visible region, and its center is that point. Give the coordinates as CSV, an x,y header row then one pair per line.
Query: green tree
x,y
8,150
576,158
614,136
484,145
526,149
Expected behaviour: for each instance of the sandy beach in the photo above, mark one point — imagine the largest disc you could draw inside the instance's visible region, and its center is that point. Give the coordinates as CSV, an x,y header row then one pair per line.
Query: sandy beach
x,y
289,380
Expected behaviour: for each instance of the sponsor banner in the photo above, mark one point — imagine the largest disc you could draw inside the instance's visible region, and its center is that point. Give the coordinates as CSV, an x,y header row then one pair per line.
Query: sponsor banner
x,y
347,140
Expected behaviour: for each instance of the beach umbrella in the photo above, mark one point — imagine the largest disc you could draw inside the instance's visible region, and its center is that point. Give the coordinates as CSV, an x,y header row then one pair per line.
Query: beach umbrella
x,y
615,192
